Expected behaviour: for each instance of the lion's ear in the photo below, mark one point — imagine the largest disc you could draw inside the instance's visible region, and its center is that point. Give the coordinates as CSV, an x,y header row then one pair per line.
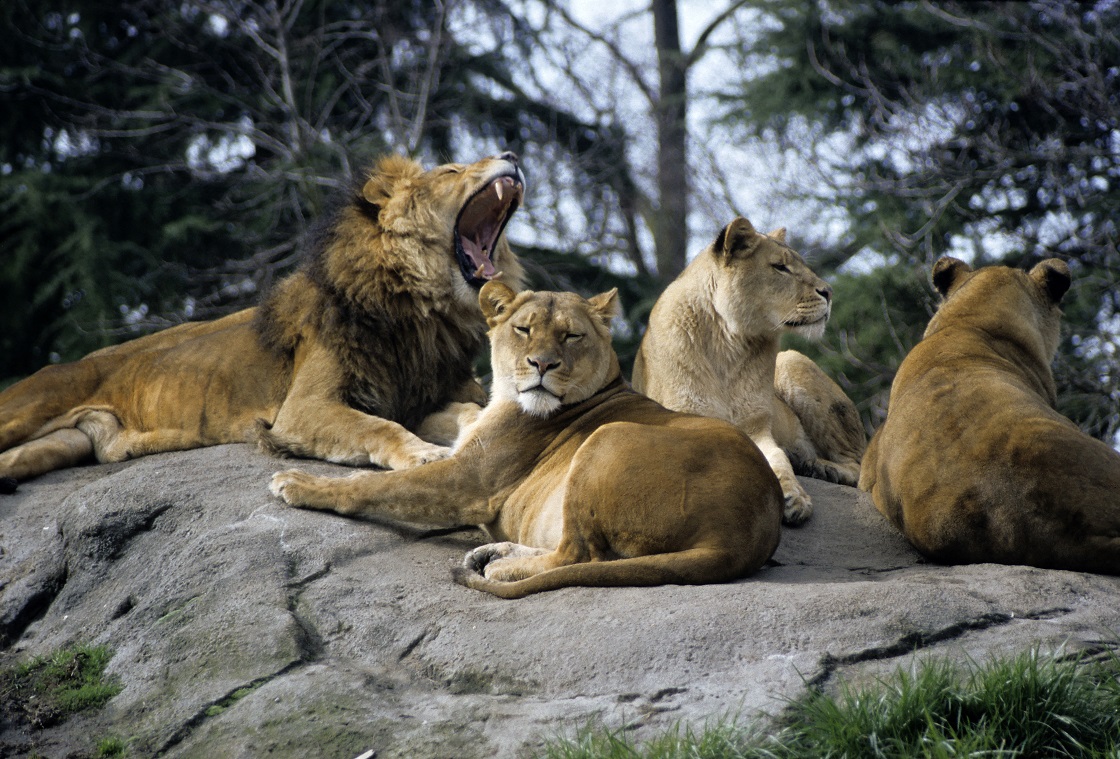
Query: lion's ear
x,y
384,178
778,234
606,305
494,298
1053,277
738,237
947,273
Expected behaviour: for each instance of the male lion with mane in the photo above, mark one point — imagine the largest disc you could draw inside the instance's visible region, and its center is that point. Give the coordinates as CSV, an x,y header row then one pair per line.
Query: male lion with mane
x,y
711,348
973,463
371,340
582,480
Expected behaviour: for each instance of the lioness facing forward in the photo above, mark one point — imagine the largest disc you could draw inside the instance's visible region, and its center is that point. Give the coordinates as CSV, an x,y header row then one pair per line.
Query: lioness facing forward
x,y
370,340
711,348
593,483
973,464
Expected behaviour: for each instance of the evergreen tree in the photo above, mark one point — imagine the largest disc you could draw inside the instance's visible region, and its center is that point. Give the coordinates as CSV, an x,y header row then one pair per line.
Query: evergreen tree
x,y
985,130
164,161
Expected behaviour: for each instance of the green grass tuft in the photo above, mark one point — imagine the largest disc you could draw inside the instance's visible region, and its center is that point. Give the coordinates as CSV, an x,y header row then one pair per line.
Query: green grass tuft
x,y
111,748
1028,706
722,740
48,689
1031,705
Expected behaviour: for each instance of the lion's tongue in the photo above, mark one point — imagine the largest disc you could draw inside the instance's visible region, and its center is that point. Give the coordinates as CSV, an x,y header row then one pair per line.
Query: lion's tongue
x,y
478,226
479,256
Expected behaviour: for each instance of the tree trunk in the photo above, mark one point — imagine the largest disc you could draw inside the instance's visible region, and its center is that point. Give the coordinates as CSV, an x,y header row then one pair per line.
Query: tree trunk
x,y
670,229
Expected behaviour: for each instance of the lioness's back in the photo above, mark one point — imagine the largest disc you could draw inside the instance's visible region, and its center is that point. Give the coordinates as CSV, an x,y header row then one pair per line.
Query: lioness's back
x,y
973,463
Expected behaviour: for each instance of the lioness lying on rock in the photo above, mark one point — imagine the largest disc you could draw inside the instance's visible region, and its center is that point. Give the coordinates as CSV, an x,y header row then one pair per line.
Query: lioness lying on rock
x,y
369,342
973,464
712,348
582,480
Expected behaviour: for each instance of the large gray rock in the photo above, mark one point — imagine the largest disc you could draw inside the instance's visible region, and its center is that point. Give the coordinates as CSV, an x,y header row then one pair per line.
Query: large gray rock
x,y
243,627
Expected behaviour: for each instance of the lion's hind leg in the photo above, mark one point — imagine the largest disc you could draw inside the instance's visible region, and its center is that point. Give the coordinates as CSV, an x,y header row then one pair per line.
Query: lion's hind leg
x,y
55,450
87,433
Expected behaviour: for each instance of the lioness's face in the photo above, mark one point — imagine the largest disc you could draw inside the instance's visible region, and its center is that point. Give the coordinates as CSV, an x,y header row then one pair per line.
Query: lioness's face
x,y
549,349
467,206
761,281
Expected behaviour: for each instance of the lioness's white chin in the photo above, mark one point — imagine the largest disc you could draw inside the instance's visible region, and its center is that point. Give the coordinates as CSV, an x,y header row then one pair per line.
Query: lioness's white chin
x,y
538,402
810,331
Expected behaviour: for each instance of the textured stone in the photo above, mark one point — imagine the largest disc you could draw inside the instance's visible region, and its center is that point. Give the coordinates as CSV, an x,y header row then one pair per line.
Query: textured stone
x,y
245,628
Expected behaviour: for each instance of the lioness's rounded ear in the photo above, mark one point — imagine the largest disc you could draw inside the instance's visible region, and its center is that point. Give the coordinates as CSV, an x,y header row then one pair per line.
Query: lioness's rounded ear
x,y
737,237
1053,276
778,234
947,273
494,299
606,305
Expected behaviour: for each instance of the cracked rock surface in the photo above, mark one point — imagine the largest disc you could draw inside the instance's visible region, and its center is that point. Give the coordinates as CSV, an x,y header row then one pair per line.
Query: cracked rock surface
x,y
245,628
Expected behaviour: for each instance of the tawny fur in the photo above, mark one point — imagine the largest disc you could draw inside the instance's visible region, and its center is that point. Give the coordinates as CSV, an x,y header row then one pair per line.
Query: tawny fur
x,y
711,348
973,463
369,341
581,480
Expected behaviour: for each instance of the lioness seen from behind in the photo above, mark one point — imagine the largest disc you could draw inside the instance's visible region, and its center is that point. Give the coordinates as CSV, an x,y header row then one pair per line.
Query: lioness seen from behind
x,y
973,463
581,480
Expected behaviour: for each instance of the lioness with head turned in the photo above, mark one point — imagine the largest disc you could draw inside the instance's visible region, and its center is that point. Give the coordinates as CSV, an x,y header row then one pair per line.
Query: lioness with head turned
x,y
368,343
711,348
580,479
973,464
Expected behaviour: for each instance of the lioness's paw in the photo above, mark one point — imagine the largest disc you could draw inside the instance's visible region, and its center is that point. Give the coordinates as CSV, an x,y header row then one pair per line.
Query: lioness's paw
x,y
477,559
501,561
414,455
798,508
289,485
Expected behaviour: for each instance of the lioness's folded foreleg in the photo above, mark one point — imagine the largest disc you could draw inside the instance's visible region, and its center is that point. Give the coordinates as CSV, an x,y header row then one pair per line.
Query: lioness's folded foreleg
x,y
819,427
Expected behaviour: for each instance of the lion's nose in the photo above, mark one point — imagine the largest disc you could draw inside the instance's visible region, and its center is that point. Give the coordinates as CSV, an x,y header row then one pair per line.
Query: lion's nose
x,y
510,156
826,293
542,364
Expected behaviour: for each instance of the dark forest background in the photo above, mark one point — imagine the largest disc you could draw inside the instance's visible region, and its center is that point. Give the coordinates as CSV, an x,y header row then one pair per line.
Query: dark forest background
x,y
163,161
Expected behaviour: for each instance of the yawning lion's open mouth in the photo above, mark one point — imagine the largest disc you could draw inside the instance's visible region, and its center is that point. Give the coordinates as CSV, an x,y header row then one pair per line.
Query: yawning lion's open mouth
x,y
480,224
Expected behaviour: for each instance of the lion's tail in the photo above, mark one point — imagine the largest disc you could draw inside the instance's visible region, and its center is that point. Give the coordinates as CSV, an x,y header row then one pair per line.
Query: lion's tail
x,y
695,566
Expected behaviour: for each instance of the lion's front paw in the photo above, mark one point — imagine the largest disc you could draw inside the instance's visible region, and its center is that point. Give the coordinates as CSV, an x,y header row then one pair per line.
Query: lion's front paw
x,y
414,455
291,486
798,507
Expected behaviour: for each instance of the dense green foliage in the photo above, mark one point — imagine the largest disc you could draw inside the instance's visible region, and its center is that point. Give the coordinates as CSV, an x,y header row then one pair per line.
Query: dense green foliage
x,y
165,161
1027,706
989,131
